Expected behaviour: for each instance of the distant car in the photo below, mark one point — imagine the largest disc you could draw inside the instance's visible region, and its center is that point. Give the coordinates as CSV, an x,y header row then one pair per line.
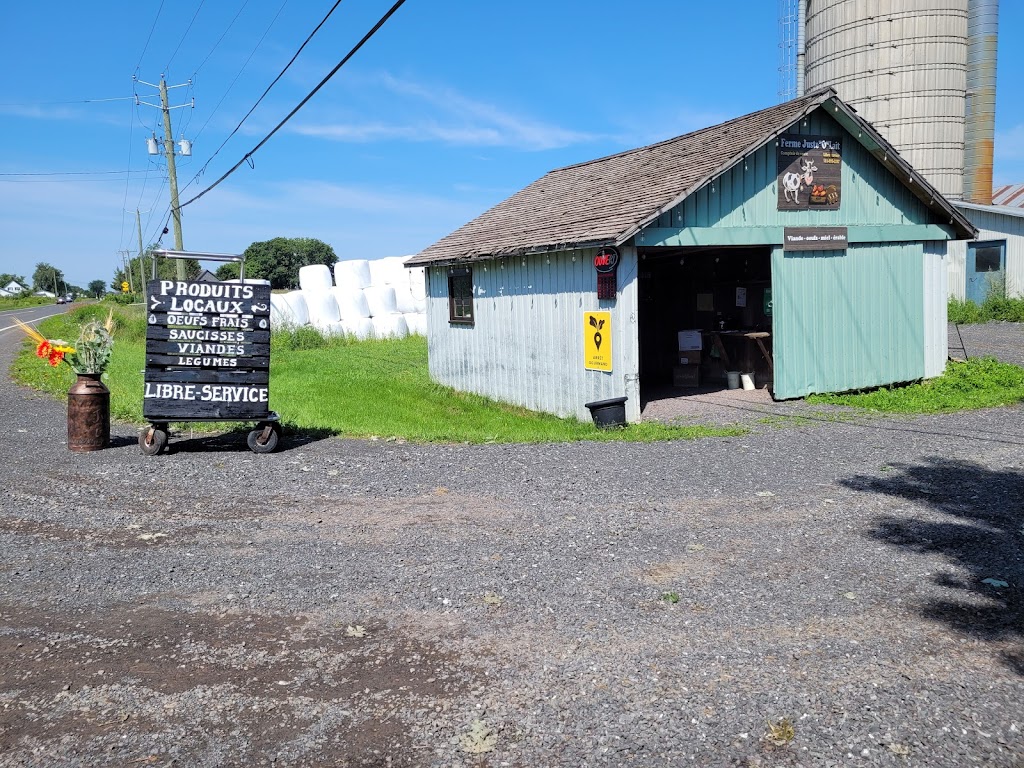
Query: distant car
x,y
62,299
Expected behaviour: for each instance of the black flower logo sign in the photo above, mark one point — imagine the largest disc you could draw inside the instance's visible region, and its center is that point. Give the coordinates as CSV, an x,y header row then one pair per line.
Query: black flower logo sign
x,y
598,324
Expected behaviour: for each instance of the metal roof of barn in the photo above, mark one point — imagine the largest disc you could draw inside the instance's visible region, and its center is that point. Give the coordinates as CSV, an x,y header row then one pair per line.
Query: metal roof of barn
x,y
1009,194
608,200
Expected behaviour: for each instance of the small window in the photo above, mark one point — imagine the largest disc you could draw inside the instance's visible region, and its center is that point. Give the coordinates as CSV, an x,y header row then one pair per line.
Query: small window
x,y
460,296
988,257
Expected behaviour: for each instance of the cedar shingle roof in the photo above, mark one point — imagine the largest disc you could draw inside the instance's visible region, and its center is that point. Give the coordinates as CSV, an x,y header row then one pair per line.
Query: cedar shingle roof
x,y
606,201
598,201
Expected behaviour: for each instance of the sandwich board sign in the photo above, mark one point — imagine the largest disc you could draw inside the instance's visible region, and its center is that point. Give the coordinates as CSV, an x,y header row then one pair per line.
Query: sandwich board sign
x,y
207,351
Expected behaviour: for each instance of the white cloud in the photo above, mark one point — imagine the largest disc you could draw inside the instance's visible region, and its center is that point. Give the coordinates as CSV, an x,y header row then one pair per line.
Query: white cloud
x,y
455,119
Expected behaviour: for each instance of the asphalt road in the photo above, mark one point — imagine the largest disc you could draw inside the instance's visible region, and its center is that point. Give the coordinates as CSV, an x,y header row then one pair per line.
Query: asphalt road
x,y
819,592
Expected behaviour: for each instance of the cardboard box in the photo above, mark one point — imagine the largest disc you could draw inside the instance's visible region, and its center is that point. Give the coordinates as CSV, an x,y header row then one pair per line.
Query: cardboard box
x,y
690,357
686,376
689,340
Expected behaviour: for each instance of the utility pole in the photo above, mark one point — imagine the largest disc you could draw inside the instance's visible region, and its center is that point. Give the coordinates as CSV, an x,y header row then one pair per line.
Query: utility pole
x,y
186,149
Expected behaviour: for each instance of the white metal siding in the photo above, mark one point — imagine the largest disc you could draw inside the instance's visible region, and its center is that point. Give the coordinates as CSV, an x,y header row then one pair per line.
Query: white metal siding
x,y
992,225
903,65
936,341
526,344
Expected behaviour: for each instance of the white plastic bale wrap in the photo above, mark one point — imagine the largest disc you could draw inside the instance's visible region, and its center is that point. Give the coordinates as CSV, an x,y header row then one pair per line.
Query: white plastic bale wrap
x,y
280,311
336,328
315,277
297,302
322,307
387,271
381,300
353,274
404,300
417,279
360,327
389,326
417,322
351,303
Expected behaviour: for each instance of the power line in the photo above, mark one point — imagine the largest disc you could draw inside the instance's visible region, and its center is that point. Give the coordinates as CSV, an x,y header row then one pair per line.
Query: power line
x,y
72,101
220,39
302,103
149,36
240,71
184,35
68,173
265,92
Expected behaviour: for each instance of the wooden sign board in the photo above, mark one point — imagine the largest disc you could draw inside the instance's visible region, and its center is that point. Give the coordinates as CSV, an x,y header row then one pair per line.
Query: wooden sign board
x,y
810,172
207,351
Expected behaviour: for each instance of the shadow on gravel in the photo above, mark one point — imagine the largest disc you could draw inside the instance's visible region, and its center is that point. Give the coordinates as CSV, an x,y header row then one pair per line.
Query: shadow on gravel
x,y
982,532
234,440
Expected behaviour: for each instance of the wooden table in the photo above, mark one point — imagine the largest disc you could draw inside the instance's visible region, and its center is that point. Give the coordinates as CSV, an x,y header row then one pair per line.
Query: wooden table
x,y
756,336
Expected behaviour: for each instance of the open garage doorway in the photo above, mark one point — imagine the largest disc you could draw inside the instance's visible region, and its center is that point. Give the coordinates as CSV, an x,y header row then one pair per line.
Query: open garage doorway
x,y
705,317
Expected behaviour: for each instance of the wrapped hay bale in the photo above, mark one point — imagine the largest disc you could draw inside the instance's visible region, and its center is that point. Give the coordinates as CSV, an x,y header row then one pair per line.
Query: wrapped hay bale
x,y
359,327
387,271
281,311
417,322
353,274
297,303
322,307
352,303
389,326
381,300
404,300
315,277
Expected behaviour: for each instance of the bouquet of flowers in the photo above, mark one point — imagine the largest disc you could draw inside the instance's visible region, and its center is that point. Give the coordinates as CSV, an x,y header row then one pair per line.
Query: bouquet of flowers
x,y
90,354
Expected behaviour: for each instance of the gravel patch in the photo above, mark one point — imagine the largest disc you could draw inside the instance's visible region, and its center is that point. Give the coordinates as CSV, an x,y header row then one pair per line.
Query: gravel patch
x,y
373,603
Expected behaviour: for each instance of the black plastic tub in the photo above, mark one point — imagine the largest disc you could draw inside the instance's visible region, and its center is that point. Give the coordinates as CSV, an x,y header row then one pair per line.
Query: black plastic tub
x,y
609,413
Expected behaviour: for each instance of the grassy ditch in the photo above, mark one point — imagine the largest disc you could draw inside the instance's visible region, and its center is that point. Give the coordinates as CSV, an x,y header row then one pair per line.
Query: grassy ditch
x,y
994,308
978,383
20,302
344,387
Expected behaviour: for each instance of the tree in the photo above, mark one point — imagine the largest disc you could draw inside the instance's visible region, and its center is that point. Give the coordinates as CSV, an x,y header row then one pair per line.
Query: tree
x,y
280,259
47,278
97,288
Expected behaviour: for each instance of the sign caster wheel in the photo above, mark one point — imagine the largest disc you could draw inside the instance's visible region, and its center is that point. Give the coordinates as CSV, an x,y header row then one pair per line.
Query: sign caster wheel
x,y
153,440
264,438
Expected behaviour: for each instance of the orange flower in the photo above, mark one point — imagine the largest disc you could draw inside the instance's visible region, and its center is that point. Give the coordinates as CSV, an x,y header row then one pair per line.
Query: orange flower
x,y
56,355
44,349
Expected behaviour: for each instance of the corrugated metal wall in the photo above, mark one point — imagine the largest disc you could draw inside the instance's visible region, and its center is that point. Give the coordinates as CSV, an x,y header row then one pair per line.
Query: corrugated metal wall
x,y
526,346
936,326
903,65
847,320
992,225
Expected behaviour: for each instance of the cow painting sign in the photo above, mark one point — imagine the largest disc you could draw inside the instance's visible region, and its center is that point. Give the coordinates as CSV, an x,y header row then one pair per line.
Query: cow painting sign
x,y
809,172
207,351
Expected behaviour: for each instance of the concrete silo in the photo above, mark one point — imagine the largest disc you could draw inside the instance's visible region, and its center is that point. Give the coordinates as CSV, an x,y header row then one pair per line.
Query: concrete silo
x,y
919,70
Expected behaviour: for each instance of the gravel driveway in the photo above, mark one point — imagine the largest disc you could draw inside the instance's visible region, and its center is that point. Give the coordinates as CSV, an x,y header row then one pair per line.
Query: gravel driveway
x,y
358,603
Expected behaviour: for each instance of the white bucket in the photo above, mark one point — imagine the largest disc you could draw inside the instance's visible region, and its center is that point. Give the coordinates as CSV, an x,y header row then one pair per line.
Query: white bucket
x,y
747,380
733,377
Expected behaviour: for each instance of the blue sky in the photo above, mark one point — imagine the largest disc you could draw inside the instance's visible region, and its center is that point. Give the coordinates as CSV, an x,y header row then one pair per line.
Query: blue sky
x,y
449,109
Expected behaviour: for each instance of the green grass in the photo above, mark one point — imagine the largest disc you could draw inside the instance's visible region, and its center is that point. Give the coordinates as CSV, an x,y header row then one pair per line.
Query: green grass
x,y
978,383
344,387
994,308
20,302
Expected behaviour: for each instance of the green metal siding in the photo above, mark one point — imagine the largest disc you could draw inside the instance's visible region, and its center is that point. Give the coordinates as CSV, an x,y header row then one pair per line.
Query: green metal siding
x,y
847,319
746,196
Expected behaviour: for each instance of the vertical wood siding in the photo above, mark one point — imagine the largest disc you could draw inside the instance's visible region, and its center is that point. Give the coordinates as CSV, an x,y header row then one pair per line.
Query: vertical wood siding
x,y
847,320
526,345
993,226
